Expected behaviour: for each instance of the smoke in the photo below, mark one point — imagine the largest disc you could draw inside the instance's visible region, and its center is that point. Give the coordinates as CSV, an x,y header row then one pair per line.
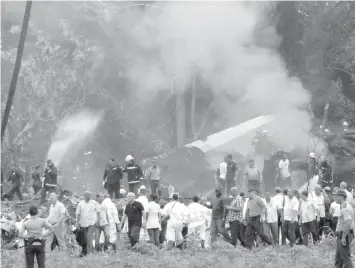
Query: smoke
x,y
72,134
232,48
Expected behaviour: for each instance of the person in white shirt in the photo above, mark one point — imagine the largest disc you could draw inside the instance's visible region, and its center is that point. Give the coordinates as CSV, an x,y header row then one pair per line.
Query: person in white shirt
x,y
349,196
197,218
87,217
317,198
271,221
307,218
175,213
290,217
143,199
113,220
334,212
285,174
57,216
153,220
208,205
279,200
103,225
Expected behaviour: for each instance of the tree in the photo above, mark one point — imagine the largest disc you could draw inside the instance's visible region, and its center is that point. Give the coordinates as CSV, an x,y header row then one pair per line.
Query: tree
x,y
17,67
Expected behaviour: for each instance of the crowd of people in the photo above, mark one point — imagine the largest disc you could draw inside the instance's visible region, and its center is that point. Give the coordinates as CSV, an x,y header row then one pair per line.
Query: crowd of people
x,y
244,214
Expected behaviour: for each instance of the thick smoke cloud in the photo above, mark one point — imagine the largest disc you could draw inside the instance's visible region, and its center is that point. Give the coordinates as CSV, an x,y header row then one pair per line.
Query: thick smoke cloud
x,y
232,47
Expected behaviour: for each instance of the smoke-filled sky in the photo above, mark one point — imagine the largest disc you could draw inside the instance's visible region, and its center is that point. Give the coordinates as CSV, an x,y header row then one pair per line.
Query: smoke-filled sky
x,y
233,47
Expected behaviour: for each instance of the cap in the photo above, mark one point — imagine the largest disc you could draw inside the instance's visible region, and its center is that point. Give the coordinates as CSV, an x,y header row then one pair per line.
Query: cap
x,y
129,158
341,192
312,155
142,187
327,189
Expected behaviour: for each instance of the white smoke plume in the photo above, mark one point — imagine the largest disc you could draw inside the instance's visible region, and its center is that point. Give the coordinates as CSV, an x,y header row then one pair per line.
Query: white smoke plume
x,y
232,47
72,134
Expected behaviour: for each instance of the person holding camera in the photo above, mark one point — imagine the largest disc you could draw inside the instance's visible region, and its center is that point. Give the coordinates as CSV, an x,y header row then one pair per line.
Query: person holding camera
x,y
35,240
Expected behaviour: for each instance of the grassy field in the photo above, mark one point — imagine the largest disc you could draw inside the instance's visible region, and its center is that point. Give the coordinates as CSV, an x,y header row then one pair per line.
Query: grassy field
x,y
222,255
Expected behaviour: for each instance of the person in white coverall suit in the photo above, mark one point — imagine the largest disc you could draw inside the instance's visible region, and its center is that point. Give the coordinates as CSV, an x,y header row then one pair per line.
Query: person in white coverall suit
x,y
197,219
114,222
142,198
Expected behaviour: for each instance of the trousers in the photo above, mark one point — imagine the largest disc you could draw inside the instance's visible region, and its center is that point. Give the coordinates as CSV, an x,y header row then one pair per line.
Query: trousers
x,y
343,253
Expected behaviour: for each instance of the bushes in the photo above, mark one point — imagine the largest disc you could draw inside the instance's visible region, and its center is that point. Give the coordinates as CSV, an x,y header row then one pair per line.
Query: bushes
x,y
321,255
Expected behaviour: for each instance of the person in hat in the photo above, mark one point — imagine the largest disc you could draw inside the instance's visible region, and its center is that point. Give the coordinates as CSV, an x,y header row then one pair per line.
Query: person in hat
x,y
349,196
344,231
113,175
134,174
326,173
50,180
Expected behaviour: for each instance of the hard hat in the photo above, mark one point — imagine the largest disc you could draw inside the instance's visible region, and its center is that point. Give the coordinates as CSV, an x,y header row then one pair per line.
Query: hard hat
x,y
264,131
345,124
129,158
323,158
326,130
312,155
142,188
122,191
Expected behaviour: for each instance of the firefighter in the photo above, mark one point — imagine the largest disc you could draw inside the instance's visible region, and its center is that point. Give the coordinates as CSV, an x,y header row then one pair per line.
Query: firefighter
x,y
134,174
325,173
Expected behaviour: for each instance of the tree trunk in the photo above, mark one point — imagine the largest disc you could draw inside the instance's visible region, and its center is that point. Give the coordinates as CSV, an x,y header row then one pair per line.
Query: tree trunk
x,y
179,86
15,74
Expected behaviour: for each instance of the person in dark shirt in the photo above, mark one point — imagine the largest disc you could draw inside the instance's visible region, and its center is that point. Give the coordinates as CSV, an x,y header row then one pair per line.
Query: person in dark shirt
x,y
36,183
50,180
112,177
134,174
134,212
326,173
16,180
218,216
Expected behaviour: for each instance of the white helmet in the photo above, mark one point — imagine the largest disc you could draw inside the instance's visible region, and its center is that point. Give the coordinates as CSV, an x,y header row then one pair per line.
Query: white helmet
x,y
129,158
312,155
264,131
345,124
122,191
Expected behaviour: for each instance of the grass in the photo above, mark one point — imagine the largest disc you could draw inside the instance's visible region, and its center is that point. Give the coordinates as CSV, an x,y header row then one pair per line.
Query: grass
x,y
222,255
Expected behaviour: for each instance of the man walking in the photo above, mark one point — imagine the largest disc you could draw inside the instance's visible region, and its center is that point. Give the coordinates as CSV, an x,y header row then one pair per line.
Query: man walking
x,y
227,173
285,174
235,217
290,217
134,212
197,219
319,203
16,180
307,219
103,225
154,177
57,217
344,232
50,180
87,218
271,222
256,211
112,177
134,174
218,216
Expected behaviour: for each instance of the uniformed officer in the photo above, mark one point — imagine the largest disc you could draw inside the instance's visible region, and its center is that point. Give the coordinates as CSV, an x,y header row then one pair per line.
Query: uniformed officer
x,y
344,231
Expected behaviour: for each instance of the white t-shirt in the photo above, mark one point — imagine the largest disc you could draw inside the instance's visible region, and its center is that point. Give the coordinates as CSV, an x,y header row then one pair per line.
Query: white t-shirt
x,y
196,214
291,206
55,212
318,201
335,209
153,215
284,167
176,210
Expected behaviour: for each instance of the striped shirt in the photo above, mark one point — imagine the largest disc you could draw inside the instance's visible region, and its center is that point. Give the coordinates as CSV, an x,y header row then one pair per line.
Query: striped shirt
x,y
236,202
